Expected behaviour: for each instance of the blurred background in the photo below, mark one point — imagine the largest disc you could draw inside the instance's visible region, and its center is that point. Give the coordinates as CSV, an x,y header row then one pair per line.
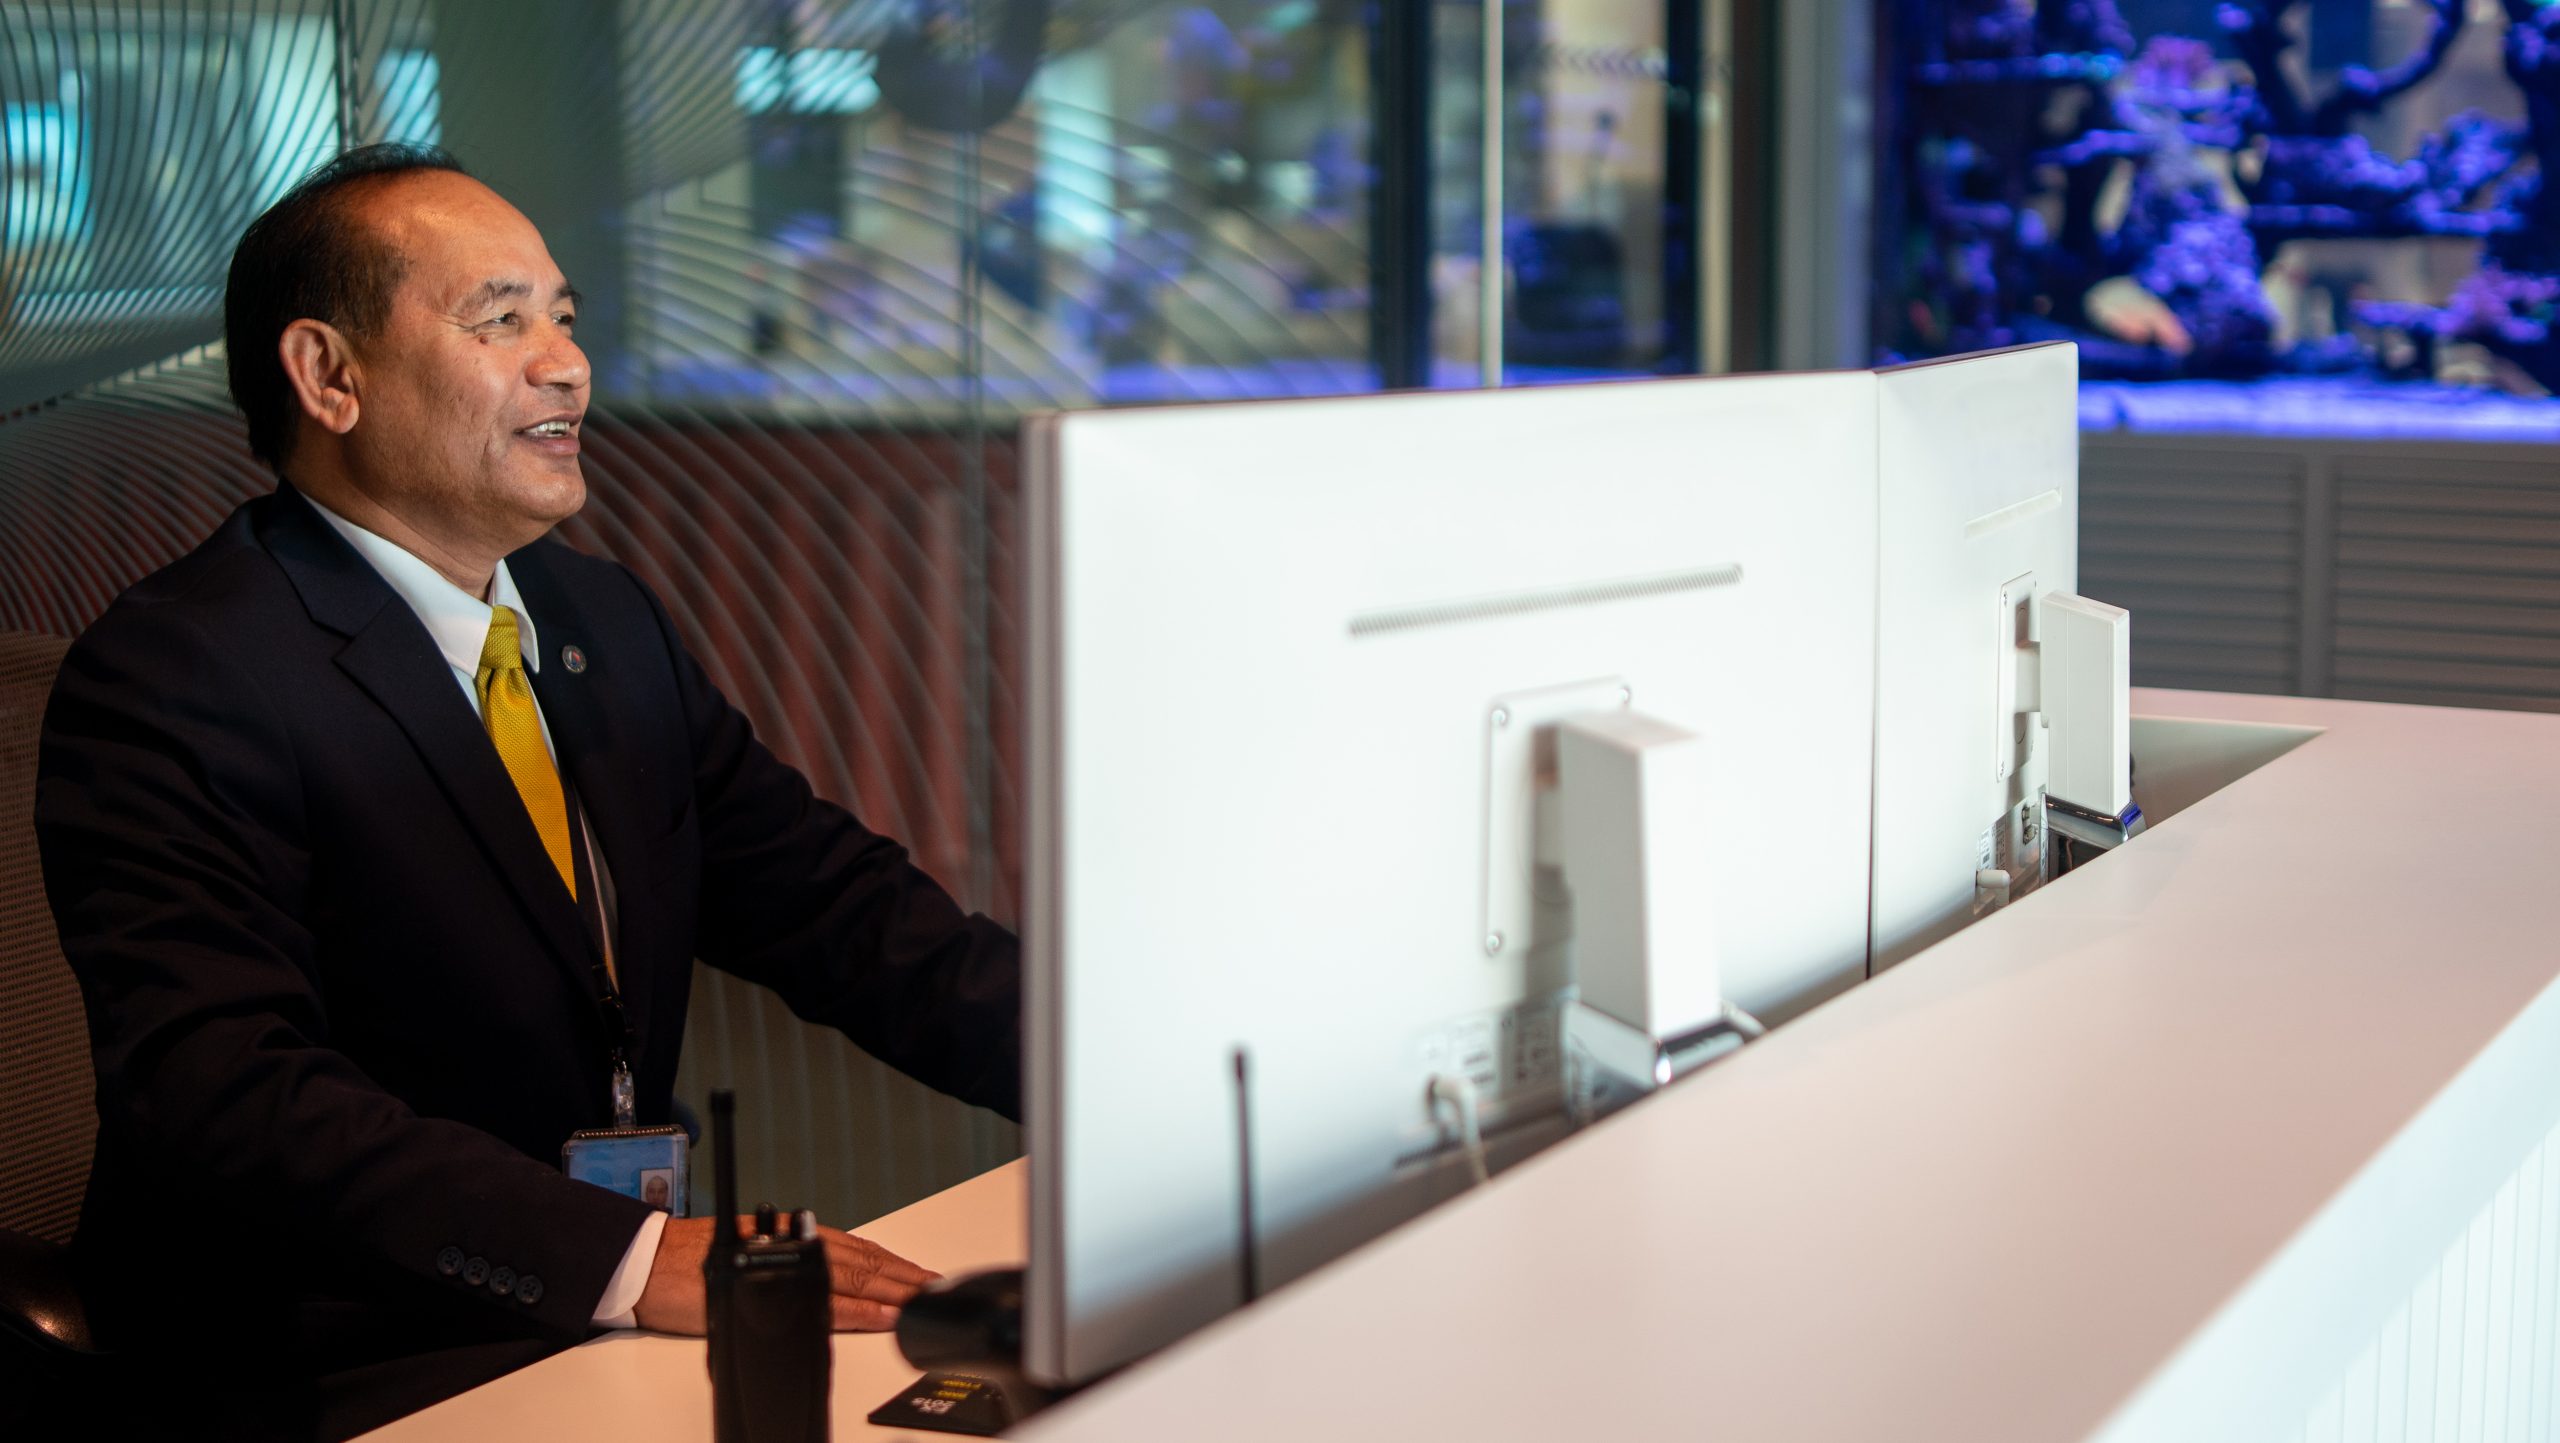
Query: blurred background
x,y
833,250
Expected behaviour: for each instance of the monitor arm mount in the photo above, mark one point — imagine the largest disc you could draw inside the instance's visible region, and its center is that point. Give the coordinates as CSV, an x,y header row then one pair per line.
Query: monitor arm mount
x,y
1632,827
2069,676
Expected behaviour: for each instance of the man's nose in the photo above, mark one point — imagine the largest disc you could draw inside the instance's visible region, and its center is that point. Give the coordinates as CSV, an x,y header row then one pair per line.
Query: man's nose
x,y
558,361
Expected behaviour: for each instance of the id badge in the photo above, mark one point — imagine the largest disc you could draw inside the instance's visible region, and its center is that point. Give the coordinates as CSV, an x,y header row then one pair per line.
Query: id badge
x,y
647,1163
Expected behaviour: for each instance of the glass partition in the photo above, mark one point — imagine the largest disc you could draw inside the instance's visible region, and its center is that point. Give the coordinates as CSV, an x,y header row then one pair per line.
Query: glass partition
x,y
830,250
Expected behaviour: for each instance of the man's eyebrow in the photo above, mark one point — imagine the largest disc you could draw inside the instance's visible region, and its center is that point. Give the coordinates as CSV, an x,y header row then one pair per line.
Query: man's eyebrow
x,y
493,291
569,293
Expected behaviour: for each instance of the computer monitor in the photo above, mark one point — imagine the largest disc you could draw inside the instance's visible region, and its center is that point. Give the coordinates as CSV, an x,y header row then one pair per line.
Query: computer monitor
x,y
1283,660
1978,526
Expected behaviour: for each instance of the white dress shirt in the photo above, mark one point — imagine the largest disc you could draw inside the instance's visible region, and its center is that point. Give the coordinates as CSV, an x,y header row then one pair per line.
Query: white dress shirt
x,y
459,624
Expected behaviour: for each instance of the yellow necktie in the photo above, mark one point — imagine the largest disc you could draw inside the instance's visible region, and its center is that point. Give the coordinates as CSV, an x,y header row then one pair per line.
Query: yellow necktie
x,y
506,707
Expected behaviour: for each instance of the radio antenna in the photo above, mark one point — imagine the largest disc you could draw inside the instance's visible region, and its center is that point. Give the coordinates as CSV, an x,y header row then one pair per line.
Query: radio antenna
x,y
724,1163
1248,1268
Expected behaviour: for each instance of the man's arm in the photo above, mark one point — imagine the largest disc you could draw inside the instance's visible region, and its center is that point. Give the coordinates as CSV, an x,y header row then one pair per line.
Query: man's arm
x,y
801,897
171,819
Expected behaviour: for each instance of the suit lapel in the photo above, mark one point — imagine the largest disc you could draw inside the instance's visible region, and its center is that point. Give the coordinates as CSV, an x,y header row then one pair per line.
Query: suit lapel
x,y
390,655
596,754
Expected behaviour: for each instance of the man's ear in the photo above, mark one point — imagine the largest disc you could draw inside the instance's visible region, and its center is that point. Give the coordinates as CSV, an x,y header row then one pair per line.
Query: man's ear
x,y
322,369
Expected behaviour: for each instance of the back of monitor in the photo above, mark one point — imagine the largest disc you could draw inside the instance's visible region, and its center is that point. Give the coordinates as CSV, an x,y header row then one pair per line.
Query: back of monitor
x,y
1978,516
1277,648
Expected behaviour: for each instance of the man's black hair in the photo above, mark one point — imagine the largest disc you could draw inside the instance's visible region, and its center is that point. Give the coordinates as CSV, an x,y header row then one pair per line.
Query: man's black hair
x,y
311,256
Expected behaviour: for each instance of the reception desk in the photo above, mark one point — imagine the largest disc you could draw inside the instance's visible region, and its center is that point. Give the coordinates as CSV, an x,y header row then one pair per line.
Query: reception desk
x,y
2239,1132
634,1387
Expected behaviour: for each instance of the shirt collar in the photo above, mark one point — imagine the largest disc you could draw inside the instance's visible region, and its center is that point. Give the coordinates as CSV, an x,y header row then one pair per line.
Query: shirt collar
x,y
457,620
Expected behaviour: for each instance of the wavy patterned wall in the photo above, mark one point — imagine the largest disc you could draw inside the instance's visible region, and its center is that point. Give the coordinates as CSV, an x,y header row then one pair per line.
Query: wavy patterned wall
x,y
822,575
140,139
844,576
830,250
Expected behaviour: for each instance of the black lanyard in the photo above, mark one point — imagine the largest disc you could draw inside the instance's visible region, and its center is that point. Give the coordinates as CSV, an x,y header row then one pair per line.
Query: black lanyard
x,y
592,914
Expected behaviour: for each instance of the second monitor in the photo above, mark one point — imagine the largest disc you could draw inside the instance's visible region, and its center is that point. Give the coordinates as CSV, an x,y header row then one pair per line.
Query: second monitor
x,y
1995,684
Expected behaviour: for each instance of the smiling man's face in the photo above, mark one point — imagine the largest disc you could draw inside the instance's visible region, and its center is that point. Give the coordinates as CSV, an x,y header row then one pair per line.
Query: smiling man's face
x,y
473,392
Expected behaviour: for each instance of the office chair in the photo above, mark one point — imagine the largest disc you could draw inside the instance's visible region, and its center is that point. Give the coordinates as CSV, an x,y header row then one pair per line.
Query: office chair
x,y
48,1115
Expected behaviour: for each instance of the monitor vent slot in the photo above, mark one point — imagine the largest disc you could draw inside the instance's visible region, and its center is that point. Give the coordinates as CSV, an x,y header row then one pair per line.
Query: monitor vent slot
x,y
1990,521
1526,603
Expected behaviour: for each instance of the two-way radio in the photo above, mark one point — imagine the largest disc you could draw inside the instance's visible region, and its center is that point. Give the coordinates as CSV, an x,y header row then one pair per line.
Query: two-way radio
x,y
771,1326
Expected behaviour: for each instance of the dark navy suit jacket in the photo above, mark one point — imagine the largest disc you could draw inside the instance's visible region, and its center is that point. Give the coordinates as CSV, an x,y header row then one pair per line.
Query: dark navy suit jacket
x,y
341,1006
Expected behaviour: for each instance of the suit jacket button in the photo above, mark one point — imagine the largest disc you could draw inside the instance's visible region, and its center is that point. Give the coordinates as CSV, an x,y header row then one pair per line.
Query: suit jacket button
x,y
449,1262
528,1290
476,1271
502,1281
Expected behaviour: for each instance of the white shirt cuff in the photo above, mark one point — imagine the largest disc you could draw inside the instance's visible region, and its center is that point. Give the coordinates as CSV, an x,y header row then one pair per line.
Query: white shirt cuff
x,y
622,1295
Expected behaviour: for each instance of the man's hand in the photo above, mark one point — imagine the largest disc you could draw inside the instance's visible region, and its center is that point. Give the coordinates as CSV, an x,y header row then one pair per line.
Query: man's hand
x,y
870,1281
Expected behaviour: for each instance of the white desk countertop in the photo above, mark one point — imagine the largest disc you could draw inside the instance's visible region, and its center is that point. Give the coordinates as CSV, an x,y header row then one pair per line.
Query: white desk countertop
x,y
2148,1155
641,1386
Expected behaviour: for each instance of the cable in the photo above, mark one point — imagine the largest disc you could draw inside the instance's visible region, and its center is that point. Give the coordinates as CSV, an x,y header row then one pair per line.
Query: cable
x,y
1460,1095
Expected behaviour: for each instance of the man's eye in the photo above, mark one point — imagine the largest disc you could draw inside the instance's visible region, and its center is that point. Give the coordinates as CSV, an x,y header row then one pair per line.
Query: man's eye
x,y
565,321
508,319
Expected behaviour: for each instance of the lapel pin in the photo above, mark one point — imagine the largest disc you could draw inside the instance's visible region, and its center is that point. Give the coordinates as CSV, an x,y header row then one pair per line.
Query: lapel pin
x,y
573,659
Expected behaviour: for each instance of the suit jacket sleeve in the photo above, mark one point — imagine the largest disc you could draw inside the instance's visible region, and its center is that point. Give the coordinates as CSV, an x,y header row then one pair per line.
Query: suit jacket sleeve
x,y
171,821
799,896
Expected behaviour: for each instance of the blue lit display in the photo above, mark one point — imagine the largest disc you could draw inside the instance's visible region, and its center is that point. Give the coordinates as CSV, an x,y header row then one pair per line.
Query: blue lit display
x,y
2266,199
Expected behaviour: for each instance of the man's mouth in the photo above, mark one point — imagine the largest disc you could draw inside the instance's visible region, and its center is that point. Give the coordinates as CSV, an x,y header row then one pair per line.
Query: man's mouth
x,y
551,428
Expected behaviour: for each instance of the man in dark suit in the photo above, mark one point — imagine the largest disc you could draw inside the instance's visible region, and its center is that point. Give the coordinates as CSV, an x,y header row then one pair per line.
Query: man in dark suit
x,y
383,833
